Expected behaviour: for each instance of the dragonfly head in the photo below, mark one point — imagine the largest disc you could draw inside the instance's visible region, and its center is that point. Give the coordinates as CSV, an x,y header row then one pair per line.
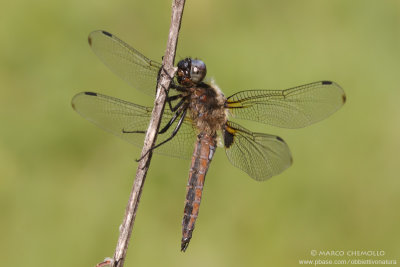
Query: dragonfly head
x,y
191,71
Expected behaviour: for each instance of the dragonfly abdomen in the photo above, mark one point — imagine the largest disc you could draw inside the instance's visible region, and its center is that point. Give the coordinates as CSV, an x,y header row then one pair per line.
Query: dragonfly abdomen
x,y
202,155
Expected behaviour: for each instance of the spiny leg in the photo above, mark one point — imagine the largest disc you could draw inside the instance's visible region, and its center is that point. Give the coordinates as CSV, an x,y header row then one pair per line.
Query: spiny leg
x,y
171,121
178,126
175,97
158,78
179,104
173,86
177,87
164,129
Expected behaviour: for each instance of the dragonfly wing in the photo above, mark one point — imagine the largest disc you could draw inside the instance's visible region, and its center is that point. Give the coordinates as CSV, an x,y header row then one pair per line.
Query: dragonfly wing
x,y
260,155
130,121
125,61
291,108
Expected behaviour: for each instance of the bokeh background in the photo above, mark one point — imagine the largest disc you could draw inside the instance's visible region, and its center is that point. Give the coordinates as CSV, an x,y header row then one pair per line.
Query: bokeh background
x,y
64,183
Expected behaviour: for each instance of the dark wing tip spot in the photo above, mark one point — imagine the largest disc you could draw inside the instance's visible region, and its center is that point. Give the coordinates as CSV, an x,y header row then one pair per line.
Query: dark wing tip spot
x,y
280,139
90,93
90,41
344,98
107,33
73,105
326,82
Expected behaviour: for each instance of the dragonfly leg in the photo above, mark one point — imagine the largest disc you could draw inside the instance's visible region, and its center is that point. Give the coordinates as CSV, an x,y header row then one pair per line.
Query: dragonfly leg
x,y
169,99
178,126
172,98
166,127
158,78
123,131
178,87
171,121
173,85
166,72
178,105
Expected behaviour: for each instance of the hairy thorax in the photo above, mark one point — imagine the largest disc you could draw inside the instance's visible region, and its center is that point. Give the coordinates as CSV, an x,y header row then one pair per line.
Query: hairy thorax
x,y
206,108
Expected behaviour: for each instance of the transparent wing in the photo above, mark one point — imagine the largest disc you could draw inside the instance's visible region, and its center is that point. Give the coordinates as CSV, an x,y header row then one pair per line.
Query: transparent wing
x,y
259,155
291,108
125,61
119,116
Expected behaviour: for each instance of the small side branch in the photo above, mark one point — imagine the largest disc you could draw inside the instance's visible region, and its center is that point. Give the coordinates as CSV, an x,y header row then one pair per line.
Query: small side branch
x,y
150,139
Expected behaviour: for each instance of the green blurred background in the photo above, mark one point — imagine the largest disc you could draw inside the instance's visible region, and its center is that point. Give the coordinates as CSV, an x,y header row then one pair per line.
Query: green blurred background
x,y
64,183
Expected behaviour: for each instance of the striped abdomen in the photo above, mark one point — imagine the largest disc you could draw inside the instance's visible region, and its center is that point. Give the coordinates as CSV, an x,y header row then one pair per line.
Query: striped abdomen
x,y
202,155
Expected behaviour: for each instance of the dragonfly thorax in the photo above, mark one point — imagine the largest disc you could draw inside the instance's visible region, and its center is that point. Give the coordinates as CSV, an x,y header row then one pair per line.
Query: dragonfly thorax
x,y
207,108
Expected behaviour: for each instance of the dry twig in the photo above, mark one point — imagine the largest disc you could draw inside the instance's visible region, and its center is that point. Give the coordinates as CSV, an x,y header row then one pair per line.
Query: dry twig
x,y
150,139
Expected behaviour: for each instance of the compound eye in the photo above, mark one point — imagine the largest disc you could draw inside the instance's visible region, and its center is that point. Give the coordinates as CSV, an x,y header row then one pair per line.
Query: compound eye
x,y
183,64
197,71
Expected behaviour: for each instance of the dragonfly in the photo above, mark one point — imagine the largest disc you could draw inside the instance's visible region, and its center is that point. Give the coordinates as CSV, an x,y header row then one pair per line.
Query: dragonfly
x,y
197,117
